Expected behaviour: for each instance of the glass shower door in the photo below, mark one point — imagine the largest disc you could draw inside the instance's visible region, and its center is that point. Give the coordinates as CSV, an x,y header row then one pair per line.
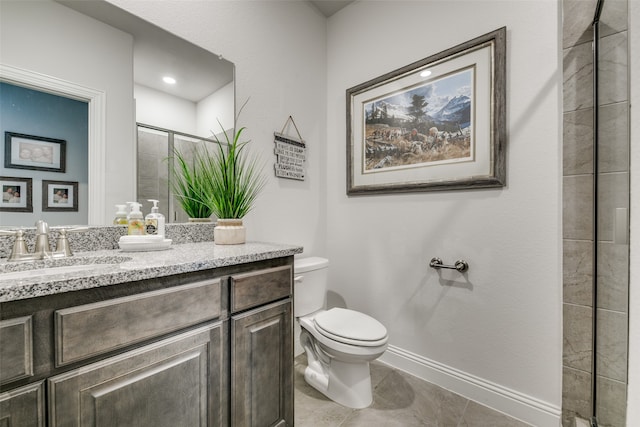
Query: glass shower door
x,y
611,173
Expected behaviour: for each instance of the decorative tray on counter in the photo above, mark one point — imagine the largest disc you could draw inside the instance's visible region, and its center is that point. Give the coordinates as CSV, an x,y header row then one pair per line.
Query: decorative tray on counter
x,y
143,243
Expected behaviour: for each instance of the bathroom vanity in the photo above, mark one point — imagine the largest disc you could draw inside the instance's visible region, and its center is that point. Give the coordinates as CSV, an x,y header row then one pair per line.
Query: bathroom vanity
x,y
197,335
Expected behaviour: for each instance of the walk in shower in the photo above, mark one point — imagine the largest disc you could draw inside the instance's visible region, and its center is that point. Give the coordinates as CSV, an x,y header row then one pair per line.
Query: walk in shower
x,y
595,212
154,153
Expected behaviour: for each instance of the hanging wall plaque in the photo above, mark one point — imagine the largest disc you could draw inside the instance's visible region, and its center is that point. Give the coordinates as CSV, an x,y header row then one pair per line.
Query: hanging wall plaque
x,y
290,155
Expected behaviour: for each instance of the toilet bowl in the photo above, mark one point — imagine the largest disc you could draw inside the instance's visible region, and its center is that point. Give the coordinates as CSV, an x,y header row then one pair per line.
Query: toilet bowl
x,y
339,343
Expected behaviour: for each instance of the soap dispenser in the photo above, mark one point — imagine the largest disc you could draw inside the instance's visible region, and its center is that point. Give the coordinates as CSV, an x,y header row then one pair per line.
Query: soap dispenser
x,y
121,215
154,221
136,220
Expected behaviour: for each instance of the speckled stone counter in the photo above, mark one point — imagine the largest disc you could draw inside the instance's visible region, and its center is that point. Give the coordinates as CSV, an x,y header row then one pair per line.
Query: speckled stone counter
x,y
106,236
114,266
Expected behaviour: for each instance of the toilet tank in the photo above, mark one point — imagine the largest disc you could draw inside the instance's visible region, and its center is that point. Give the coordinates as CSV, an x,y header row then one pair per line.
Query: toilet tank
x,y
310,285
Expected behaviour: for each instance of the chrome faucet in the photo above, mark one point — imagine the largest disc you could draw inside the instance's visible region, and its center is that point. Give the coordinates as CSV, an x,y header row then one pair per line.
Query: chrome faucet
x,y
43,246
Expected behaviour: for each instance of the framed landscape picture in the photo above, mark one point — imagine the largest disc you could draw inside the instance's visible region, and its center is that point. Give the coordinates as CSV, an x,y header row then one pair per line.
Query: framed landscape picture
x,y
436,124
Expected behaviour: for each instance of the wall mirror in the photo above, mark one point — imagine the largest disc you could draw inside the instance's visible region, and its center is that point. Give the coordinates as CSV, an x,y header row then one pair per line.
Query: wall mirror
x,y
117,67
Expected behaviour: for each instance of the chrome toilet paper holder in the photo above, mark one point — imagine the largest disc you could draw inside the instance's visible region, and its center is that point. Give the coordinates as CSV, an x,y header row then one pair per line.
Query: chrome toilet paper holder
x,y
460,265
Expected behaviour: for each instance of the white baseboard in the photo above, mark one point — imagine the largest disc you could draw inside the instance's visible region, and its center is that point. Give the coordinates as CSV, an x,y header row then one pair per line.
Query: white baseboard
x,y
515,404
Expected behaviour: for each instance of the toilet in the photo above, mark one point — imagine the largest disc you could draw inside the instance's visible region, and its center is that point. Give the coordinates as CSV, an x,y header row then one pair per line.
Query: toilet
x,y
339,343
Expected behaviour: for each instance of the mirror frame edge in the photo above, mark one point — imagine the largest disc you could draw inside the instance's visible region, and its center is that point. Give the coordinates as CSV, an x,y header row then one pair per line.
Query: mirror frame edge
x,y
96,141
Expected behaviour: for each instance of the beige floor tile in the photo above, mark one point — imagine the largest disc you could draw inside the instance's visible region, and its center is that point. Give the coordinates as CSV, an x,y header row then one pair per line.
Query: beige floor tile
x,y
399,399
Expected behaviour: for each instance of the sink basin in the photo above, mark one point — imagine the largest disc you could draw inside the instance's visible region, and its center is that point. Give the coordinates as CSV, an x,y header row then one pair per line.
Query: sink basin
x,y
25,274
50,267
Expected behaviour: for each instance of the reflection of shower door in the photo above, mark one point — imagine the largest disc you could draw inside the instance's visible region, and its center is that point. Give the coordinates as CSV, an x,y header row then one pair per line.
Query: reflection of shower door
x,y
154,149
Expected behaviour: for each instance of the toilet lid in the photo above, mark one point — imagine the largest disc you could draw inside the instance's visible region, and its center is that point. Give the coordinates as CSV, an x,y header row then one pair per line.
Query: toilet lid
x,y
348,326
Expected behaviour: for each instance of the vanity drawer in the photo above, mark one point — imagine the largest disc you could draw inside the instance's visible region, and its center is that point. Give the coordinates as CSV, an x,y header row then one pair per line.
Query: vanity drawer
x,y
16,359
260,287
91,329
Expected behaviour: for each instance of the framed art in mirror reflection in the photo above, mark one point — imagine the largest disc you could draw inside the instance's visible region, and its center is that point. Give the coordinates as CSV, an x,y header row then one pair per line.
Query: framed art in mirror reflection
x,y
34,152
16,194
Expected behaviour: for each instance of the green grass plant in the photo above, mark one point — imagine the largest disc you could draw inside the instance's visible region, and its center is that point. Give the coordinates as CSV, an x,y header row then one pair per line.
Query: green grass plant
x,y
190,182
223,180
236,177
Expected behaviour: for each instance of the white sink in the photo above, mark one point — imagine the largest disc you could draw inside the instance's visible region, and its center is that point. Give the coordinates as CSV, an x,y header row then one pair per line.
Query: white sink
x,y
51,267
25,274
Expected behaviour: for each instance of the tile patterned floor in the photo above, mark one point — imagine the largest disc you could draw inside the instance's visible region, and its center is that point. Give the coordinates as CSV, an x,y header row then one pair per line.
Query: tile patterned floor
x,y
399,399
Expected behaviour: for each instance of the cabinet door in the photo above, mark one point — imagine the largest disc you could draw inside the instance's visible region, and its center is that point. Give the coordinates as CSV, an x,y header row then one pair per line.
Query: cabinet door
x,y
174,382
262,367
16,359
23,407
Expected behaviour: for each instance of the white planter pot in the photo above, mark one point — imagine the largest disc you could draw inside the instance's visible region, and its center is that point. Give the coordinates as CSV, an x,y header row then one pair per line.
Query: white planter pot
x,y
229,232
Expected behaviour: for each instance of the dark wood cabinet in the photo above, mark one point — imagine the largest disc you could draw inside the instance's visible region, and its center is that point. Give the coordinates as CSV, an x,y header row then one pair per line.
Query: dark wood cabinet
x,y
209,348
165,384
262,348
262,366
23,406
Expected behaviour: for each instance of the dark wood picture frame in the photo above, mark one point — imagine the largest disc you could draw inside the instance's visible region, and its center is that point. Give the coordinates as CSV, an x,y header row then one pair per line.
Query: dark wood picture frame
x,y
59,196
9,185
372,129
32,152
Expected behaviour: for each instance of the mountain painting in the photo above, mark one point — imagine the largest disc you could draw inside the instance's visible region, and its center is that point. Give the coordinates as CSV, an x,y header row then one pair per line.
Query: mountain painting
x,y
424,125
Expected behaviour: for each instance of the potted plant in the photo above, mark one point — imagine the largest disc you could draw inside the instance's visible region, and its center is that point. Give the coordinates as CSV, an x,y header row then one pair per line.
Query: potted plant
x,y
235,180
224,180
190,183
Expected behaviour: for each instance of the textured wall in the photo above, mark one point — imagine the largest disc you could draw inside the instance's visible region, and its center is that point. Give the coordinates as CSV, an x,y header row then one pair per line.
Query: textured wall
x,y
500,323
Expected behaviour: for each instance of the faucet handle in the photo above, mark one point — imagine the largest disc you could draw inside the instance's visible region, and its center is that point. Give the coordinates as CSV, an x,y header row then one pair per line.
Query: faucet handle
x,y
62,245
19,245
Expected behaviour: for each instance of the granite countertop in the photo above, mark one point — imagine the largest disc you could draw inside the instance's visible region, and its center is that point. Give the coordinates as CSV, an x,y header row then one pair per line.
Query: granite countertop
x,y
111,267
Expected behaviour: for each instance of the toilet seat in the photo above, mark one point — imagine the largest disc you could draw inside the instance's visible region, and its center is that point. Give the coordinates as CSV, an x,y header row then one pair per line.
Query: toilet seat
x,y
351,327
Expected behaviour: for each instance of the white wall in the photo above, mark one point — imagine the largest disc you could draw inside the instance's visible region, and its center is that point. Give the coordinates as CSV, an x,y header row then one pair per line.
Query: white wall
x,y
279,50
633,397
38,26
493,334
501,326
166,111
214,109
160,109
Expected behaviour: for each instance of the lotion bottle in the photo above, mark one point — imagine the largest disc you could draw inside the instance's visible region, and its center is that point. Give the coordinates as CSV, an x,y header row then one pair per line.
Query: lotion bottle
x,y
136,220
154,221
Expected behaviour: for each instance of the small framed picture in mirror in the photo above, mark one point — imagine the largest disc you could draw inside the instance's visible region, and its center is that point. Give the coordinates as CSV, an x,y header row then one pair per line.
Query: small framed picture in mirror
x,y
34,152
16,194
59,196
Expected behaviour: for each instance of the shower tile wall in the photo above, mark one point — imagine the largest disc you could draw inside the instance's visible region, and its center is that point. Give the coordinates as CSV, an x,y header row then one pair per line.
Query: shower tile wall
x,y
577,210
153,171
613,258
611,357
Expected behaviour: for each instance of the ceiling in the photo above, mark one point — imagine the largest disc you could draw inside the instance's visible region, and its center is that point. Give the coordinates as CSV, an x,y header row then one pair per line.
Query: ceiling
x,y
157,52
329,7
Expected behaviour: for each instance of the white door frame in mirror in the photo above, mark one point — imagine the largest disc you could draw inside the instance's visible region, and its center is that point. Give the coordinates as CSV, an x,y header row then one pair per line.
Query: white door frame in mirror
x,y
96,101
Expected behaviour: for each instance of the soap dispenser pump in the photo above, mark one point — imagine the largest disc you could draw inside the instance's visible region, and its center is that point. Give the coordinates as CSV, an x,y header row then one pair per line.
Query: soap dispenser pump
x,y
154,221
136,220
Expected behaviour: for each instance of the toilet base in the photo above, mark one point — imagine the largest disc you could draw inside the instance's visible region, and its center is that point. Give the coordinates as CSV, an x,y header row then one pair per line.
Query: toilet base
x,y
348,384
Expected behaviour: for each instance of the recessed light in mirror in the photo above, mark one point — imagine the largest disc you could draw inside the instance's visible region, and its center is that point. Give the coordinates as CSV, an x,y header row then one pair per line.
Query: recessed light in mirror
x,y
425,73
169,80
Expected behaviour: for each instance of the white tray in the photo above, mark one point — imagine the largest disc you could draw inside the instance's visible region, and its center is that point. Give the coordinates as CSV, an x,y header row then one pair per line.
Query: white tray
x,y
141,246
